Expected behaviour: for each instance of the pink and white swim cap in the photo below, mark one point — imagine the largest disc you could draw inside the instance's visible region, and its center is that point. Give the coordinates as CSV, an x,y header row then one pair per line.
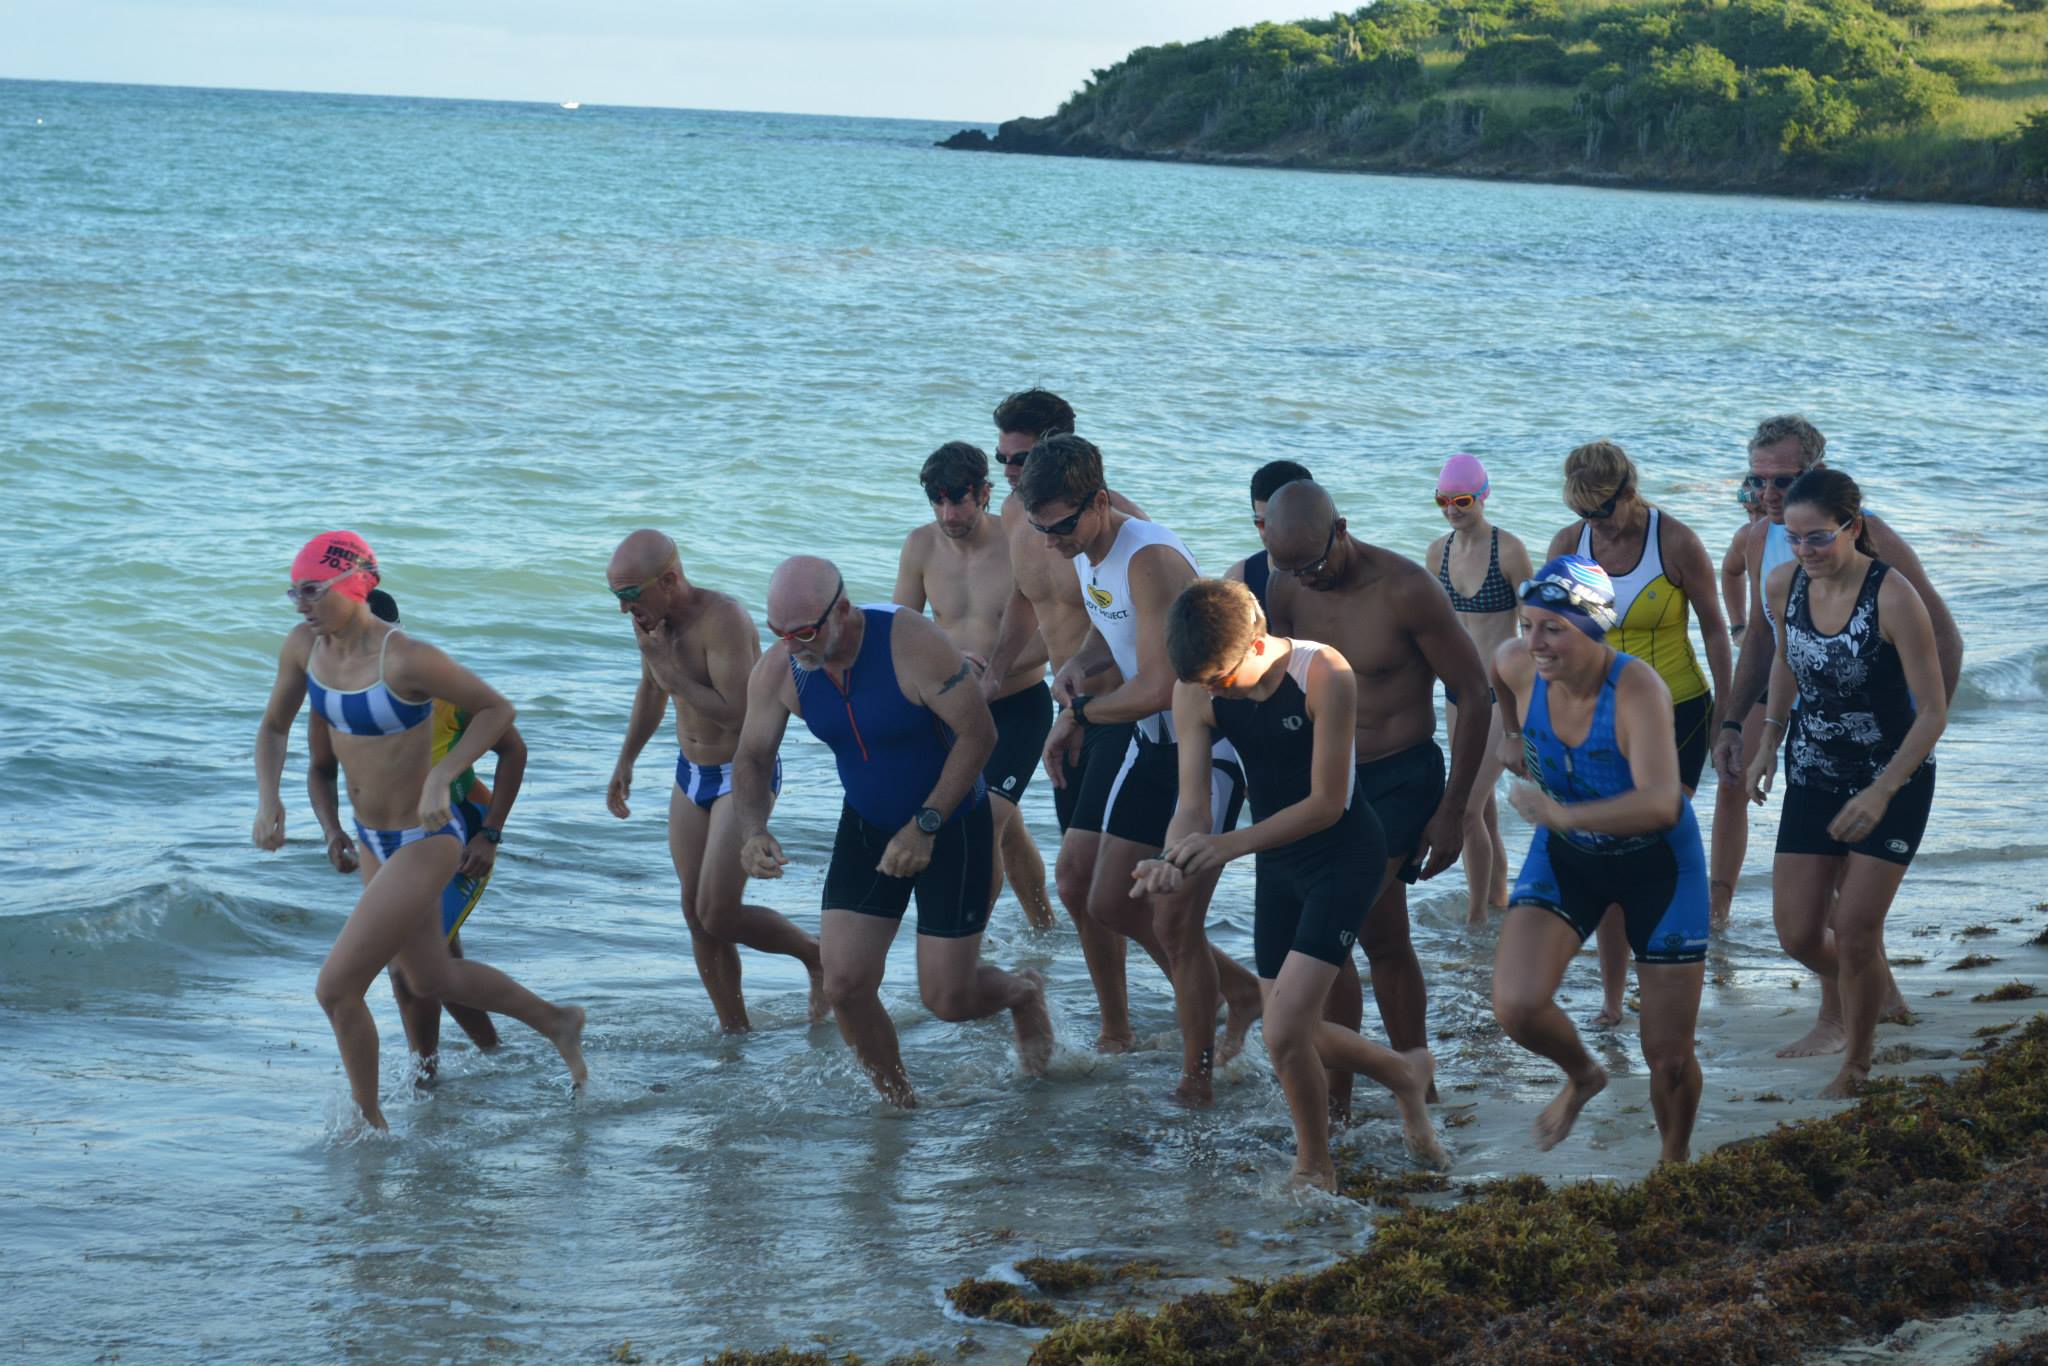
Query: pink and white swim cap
x,y
1464,474
339,555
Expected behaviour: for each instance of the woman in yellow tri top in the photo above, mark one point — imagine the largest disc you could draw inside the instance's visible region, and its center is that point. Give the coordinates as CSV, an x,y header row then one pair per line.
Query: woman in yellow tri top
x,y
1660,569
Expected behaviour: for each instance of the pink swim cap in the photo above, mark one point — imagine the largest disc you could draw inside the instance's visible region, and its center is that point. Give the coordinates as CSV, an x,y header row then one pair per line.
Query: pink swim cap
x,y
1464,474
338,555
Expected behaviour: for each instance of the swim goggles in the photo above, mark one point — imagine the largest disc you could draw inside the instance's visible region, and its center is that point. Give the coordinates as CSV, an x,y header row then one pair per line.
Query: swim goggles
x,y
1553,596
1460,501
804,635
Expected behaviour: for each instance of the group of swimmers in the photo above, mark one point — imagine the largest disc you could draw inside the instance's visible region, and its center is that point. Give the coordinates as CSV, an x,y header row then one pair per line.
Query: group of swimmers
x,y
1301,682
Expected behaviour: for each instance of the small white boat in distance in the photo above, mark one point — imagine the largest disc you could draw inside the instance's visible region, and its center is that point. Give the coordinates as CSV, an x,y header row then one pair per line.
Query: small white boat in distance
x,y
572,104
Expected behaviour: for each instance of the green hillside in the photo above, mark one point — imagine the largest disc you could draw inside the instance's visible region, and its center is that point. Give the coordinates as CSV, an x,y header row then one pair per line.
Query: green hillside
x,y
1916,99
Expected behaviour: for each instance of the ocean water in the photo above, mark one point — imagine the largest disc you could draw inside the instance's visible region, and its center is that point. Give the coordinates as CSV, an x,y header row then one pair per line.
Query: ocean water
x,y
495,337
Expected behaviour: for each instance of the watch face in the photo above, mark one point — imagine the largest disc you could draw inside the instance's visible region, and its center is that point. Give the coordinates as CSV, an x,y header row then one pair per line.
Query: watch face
x,y
929,821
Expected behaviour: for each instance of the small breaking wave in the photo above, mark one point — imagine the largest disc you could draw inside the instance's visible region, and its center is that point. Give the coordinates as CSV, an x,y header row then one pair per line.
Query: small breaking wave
x,y
2020,677
142,929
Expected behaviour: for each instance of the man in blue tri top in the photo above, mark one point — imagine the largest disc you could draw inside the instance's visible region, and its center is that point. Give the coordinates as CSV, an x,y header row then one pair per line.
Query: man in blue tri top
x,y
1613,832
1782,449
1256,571
899,707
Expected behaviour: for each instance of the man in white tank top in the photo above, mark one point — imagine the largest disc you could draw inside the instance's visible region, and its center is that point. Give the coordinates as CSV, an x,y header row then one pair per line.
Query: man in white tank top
x,y
1782,449
1129,572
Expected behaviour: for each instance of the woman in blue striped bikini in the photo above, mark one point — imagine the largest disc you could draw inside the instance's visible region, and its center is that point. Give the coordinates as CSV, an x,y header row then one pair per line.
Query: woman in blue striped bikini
x,y
400,797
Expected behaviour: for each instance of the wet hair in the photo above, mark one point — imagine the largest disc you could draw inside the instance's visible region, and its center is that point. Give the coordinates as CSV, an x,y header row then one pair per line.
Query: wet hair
x,y
1061,469
1271,477
1836,494
1035,413
1812,445
1209,627
954,464
1597,471
383,606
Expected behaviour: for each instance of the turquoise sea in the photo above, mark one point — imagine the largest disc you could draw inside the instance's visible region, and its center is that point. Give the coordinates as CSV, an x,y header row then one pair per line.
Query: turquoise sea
x,y
493,338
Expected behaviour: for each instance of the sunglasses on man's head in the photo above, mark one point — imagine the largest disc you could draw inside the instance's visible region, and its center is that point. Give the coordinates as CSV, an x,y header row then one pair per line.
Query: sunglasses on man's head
x,y
1460,501
1780,482
804,635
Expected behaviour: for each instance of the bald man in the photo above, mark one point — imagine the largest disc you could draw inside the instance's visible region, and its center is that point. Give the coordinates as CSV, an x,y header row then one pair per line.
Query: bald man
x,y
1390,620
696,647
899,707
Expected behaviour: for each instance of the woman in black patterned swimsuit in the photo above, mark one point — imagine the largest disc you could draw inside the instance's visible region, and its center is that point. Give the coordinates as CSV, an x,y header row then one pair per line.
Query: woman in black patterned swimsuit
x,y
1856,648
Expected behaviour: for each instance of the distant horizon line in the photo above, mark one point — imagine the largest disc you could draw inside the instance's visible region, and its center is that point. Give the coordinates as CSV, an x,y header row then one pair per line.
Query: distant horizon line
x,y
494,99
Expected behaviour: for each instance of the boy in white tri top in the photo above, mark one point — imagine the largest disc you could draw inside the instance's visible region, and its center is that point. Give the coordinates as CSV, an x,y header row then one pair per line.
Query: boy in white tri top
x,y
1129,572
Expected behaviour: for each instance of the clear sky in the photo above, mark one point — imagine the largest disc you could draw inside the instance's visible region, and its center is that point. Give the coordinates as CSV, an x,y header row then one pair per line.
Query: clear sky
x,y
971,60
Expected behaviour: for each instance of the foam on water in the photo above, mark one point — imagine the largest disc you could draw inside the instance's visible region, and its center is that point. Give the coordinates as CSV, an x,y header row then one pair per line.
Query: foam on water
x,y
239,317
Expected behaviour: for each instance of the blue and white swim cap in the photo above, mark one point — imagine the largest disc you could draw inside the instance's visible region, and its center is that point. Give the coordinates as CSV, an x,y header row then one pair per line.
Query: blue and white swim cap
x,y
1576,588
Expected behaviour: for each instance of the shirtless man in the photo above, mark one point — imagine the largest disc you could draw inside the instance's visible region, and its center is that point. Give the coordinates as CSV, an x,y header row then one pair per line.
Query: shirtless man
x,y
959,562
895,702
1132,569
697,647
1256,571
1390,620
1782,449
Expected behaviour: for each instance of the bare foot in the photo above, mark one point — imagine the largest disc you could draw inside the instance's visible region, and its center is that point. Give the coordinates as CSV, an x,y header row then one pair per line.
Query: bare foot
x,y
1607,1017
1846,1084
1476,918
1826,1036
425,1071
735,1026
568,1041
1894,1010
1239,1016
821,1008
1555,1123
1416,1130
1195,1093
1303,1178
1033,1025
1106,1042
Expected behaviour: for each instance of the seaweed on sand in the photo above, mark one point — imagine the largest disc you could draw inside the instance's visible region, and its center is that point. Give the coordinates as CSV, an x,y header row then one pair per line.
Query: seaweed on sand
x,y
2011,991
1918,1200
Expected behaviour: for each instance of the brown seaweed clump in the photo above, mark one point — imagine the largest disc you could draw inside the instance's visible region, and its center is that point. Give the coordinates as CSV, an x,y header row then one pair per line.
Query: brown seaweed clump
x,y
1921,1199
2011,991
1973,960
1003,1303
1062,1275
2032,1351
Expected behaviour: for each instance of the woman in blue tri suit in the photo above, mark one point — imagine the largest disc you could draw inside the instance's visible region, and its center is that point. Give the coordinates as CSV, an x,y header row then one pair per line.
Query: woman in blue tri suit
x,y
377,688
1856,649
1592,730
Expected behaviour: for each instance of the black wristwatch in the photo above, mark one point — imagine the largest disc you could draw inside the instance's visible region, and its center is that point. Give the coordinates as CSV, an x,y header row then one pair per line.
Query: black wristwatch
x,y
1078,709
491,836
928,820
1735,726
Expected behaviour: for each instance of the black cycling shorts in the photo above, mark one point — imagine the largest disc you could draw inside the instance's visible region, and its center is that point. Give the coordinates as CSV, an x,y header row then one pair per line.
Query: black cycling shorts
x,y
952,891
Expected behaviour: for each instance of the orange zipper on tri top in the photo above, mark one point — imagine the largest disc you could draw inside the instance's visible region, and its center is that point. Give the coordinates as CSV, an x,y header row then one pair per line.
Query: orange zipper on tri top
x,y
846,697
